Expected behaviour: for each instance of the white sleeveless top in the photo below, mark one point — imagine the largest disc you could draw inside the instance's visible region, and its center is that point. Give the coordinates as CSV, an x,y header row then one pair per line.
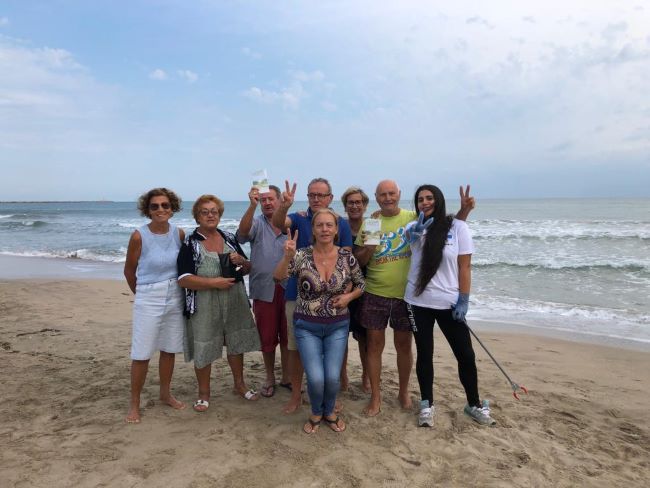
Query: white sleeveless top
x,y
158,256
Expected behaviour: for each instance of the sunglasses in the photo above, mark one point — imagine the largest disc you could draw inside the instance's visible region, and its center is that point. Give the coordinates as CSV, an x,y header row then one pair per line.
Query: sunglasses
x,y
164,206
205,212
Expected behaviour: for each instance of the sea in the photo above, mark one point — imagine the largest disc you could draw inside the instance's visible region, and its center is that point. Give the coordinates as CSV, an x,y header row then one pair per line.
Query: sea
x,y
580,266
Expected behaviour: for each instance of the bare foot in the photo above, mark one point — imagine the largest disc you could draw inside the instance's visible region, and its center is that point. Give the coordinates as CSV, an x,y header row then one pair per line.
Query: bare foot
x,y
292,405
372,409
133,417
173,402
405,401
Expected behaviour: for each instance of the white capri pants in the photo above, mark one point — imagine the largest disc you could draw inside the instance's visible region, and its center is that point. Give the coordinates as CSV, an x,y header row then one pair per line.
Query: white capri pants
x,y
157,319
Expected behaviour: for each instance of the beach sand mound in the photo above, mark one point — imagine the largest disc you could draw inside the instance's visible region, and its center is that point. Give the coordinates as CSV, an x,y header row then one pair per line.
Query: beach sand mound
x,y
64,357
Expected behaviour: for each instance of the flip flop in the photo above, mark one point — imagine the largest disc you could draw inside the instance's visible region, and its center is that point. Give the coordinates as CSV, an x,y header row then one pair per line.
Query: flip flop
x,y
313,426
334,424
201,405
267,391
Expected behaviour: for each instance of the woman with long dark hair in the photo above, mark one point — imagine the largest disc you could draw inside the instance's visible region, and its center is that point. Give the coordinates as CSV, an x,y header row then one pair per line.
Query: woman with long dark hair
x,y
437,290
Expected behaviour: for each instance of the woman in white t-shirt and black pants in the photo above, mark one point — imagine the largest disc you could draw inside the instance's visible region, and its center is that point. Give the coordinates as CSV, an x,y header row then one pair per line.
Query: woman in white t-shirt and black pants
x,y
437,290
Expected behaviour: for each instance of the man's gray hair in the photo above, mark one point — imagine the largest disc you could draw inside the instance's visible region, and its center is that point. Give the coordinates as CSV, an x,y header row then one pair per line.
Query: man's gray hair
x,y
321,180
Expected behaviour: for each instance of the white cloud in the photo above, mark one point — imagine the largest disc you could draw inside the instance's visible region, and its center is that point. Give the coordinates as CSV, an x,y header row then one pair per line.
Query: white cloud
x,y
158,74
289,97
50,102
188,75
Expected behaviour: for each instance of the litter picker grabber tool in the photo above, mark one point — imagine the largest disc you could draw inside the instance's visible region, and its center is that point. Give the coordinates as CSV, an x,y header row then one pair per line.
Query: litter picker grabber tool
x,y
515,386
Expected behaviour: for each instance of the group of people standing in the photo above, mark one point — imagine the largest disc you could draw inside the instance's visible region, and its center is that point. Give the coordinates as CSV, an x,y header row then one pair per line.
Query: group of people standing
x,y
313,278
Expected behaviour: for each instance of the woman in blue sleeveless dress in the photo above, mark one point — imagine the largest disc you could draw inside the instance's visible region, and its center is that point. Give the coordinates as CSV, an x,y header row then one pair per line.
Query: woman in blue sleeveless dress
x,y
150,271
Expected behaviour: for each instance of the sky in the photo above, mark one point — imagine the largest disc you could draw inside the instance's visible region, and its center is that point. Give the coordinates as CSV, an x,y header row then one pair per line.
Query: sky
x,y
107,99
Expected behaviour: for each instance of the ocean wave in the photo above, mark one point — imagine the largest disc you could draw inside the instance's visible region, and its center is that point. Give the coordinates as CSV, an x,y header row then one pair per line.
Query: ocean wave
x,y
130,225
8,216
483,304
13,224
118,256
559,229
477,236
555,266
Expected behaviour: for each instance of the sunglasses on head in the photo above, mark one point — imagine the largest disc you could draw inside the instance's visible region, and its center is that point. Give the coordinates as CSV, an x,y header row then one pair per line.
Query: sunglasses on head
x,y
164,206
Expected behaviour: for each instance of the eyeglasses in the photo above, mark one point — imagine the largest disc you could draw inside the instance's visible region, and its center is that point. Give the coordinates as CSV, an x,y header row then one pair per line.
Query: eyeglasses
x,y
205,212
164,206
319,196
354,203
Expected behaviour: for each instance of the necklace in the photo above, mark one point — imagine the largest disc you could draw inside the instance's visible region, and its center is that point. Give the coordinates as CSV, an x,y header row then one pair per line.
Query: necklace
x,y
324,258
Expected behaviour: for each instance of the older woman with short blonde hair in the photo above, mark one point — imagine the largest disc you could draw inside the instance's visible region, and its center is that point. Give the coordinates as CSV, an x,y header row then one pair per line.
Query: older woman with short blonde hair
x,y
211,265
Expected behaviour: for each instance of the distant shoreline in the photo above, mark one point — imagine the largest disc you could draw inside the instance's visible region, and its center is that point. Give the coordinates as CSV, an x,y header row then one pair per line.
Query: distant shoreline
x,y
407,200
62,201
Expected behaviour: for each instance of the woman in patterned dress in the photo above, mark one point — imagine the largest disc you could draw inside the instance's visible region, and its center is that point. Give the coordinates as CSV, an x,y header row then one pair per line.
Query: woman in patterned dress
x,y
217,308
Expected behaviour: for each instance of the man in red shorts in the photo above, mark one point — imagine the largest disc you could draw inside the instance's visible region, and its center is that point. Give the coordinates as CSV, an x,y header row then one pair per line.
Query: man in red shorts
x,y
267,248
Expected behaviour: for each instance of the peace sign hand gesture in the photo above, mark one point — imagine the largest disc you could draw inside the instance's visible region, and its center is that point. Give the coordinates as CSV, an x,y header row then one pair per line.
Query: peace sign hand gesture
x,y
290,245
415,230
467,203
288,195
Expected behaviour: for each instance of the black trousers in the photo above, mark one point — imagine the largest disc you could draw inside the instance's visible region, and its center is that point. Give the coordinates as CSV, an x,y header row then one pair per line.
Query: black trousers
x,y
458,337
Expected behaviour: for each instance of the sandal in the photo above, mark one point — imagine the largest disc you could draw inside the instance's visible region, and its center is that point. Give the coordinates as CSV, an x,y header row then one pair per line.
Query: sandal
x,y
312,425
267,391
334,424
250,395
201,405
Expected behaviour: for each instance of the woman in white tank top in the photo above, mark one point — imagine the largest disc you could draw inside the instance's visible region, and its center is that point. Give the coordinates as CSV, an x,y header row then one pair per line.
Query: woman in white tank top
x,y
150,271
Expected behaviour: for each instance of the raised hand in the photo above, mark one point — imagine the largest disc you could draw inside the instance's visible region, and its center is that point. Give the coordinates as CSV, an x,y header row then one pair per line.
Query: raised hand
x,y
291,244
416,230
288,195
467,203
254,196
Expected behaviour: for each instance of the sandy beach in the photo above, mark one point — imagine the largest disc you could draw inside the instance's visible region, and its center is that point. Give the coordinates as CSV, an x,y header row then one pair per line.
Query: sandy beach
x,y
64,357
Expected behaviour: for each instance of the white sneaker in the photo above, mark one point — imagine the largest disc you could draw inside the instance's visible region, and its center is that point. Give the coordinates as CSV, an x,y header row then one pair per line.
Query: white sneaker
x,y
425,419
480,415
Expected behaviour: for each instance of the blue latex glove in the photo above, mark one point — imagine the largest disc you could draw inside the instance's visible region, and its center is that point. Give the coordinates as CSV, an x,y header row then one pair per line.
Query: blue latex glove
x,y
416,229
459,310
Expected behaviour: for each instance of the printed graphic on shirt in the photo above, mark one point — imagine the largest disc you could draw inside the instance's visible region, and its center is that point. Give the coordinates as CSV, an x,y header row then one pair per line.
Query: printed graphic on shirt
x,y
392,247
